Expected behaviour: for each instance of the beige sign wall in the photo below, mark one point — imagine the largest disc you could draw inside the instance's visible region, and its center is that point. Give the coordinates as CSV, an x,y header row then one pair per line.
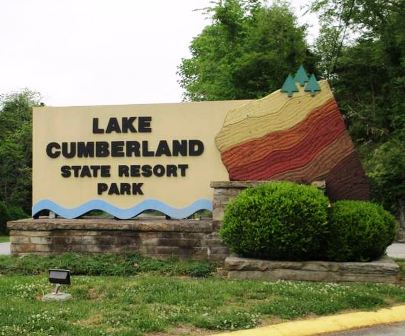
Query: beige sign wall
x,y
56,188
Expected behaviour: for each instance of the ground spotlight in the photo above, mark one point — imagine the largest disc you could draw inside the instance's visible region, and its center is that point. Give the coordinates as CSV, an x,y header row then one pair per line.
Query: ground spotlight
x,y
58,277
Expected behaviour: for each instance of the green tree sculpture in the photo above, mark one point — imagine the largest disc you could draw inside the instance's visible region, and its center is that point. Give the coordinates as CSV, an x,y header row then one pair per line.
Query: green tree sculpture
x,y
289,86
312,86
301,76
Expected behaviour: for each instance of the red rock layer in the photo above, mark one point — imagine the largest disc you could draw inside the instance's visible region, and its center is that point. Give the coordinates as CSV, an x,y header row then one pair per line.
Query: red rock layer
x,y
257,149
317,148
286,150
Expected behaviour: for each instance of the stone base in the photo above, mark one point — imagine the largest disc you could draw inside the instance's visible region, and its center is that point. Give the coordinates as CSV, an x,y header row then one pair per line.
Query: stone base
x,y
384,270
224,191
156,237
401,236
57,297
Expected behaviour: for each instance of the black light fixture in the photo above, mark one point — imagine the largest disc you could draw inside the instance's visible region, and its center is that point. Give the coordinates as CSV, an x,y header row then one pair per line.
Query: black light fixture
x,y
58,277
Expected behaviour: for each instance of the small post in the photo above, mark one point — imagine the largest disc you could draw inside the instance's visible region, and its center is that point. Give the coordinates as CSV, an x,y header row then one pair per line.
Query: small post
x,y
57,287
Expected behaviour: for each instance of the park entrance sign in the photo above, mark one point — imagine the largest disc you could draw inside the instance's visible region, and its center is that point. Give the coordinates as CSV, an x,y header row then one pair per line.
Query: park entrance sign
x,y
127,159
131,158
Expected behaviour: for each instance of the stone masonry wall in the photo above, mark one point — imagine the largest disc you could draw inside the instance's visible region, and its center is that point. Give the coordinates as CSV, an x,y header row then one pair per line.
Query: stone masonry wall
x,y
401,235
384,270
153,236
186,239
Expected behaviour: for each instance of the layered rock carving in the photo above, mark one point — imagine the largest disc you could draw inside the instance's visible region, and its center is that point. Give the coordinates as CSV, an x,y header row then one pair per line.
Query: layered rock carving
x,y
299,138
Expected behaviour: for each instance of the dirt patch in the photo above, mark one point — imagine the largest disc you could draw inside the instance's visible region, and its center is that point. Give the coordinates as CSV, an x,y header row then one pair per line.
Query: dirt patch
x,y
92,320
93,294
184,331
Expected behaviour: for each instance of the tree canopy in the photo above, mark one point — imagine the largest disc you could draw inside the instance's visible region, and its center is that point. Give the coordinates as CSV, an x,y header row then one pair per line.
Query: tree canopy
x,y
246,52
16,153
362,51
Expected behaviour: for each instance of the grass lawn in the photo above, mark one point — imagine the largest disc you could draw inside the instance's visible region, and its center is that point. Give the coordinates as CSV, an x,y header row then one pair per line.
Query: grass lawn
x,y
4,239
165,301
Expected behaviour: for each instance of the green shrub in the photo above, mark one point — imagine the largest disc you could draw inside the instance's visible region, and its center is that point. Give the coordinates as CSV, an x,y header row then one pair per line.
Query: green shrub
x,y
359,231
277,220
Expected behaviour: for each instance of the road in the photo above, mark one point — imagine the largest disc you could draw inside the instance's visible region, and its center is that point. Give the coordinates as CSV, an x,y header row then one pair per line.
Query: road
x,y
4,248
390,330
396,250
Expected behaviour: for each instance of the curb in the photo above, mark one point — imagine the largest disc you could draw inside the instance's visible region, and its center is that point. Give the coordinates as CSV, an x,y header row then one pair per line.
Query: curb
x,y
327,324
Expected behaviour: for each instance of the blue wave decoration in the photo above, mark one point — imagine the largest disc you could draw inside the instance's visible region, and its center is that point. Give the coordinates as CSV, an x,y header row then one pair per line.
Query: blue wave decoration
x,y
150,204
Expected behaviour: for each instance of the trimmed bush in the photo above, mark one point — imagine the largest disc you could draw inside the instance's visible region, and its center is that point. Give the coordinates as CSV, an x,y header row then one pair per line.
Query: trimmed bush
x,y
277,220
359,231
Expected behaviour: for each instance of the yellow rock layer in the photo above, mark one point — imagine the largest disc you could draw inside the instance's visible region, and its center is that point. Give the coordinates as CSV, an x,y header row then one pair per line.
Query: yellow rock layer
x,y
274,112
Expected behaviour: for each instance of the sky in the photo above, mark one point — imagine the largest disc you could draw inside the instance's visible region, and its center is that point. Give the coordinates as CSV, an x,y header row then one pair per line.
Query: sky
x,y
102,52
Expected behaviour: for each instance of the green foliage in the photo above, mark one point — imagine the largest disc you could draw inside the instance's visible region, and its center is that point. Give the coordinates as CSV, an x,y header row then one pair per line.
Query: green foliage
x,y
9,212
386,167
359,231
229,321
15,148
246,52
15,212
371,97
103,264
401,263
286,221
278,220
362,51
4,239
4,217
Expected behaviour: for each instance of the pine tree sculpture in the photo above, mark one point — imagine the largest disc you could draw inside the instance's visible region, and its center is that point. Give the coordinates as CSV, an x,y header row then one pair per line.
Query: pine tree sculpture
x,y
312,86
301,76
289,86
